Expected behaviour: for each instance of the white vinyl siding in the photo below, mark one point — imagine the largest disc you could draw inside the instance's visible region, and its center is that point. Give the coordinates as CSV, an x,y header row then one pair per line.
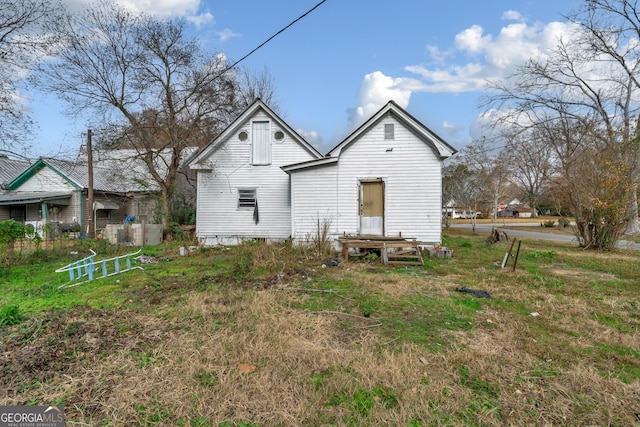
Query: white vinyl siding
x,y
260,143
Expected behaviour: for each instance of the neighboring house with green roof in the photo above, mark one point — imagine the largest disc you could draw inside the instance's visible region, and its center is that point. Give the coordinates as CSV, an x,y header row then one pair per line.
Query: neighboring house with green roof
x,y
53,191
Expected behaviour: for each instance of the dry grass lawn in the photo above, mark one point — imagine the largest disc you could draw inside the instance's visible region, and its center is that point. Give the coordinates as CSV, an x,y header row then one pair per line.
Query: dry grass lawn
x,y
261,336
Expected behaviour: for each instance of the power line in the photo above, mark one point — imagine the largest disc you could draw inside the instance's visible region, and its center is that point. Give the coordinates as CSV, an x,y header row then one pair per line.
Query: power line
x,y
272,37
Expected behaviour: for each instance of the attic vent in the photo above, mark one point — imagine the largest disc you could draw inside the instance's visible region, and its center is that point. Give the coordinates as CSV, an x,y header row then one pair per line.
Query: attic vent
x,y
279,135
243,136
388,131
246,197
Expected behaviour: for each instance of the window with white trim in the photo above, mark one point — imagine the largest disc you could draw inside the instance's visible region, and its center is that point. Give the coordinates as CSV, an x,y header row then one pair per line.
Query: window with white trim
x,y
247,198
260,143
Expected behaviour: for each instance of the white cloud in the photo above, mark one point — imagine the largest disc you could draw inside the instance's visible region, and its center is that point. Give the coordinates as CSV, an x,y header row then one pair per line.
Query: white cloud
x,y
472,40
311,136
189,9
163,7
226,34
375,91
473,59
201,19
479,58
511,15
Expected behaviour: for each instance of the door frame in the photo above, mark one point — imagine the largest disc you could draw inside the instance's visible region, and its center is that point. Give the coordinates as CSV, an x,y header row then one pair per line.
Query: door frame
x,y
383,183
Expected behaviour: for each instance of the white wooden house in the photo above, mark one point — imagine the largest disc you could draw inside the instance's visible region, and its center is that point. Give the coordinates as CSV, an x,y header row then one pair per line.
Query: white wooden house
x,y
260,179
384,179
242,192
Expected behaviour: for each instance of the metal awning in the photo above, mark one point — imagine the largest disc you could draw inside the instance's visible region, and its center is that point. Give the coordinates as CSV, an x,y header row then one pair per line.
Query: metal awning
x,y
103,204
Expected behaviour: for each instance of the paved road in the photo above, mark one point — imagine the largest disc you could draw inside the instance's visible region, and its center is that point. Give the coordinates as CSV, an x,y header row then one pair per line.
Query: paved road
x,y
486,228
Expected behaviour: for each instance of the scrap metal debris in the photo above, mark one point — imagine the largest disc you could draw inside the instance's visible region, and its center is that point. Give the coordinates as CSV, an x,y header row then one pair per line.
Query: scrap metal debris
x,y
474,292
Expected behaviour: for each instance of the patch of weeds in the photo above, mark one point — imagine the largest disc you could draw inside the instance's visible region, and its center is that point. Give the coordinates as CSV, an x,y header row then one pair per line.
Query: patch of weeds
x,y
485,393
427,262
207,379
423,320
199,422
626,361
318,378
548,281
10,315
154,412
540,255
361,401
237,424
332,299
369,305
464,243
145,359
614,322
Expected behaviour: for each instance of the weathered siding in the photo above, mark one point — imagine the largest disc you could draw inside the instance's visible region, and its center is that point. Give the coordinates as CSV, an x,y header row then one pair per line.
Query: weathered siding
x,y
410,169
314,202
5,213
46,180
219,219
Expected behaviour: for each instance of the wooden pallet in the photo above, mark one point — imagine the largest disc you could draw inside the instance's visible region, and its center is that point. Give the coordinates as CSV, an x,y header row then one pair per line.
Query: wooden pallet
x,y
393,250
412,255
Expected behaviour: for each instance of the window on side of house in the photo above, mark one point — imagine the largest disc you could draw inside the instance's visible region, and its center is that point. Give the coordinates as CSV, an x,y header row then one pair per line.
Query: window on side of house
x,y
103,213
388,131
260,143
247,198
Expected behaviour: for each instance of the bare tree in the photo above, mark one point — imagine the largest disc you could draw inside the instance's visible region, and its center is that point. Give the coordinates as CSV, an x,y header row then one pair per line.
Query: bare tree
x,y
591,79
612,29
22,42
588,83
460,187
528,158
150,79
485,158
253,85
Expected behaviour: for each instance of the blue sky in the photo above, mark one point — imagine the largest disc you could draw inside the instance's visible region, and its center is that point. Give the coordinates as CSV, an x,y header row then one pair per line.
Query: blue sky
x,y
342,62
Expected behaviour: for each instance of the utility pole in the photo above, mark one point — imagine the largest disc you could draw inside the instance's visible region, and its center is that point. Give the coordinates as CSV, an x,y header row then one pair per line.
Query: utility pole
x,y
90,220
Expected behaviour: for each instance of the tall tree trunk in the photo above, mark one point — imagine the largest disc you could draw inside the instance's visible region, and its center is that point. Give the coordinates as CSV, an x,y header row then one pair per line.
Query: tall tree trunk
x,y
633,228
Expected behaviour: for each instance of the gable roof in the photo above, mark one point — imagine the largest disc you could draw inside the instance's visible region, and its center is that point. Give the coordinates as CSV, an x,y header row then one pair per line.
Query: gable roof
x,y
77,174
197,161
443,149
10,169
427,135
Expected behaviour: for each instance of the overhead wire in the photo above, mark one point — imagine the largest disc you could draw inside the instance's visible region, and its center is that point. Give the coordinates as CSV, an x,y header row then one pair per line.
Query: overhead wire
x,y
273,36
